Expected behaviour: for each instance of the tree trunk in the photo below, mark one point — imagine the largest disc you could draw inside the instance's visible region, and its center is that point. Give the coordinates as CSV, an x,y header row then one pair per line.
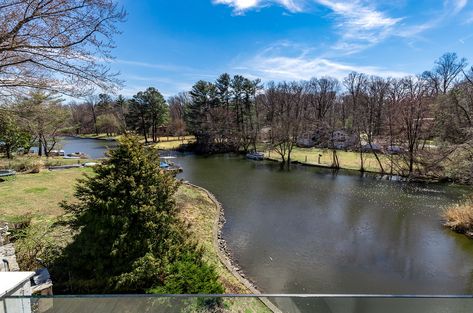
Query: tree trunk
x,y
40,146
8,151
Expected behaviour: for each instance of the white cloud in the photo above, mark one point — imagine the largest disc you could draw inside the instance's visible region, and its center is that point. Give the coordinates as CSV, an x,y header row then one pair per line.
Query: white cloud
x,y
274,64
240,6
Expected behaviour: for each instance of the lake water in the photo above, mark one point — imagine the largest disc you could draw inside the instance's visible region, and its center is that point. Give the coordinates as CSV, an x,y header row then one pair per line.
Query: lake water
x,y
310,231
93,148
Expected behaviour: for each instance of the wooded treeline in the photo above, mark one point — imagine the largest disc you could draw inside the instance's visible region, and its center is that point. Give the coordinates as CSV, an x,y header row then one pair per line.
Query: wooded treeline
x,y
415,126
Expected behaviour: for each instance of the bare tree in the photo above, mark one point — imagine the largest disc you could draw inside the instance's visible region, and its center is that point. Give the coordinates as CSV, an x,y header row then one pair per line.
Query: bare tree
x,y
414,108
177,105
356,84
58,45
285,109
92,103
372,109
446,70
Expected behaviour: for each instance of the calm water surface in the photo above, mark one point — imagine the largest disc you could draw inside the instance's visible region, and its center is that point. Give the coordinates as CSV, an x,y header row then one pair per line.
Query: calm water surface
x,y
309,231
94,148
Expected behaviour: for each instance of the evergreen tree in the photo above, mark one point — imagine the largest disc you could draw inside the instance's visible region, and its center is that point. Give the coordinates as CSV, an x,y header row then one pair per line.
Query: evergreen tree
x,y
128,236
148,111
12,137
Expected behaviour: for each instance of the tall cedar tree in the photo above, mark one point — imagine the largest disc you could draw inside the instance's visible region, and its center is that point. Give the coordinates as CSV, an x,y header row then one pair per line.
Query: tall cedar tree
x,y
128,236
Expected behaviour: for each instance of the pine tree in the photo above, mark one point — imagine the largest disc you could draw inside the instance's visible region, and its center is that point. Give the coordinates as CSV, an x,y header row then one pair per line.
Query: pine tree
x,y
128,236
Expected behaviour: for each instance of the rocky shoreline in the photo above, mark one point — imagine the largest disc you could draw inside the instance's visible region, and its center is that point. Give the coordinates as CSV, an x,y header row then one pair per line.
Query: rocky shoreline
x,y
225,256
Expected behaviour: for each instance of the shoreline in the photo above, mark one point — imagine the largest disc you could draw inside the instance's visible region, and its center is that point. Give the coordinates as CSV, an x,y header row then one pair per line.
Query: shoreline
x,y
272,159
220,247
383,175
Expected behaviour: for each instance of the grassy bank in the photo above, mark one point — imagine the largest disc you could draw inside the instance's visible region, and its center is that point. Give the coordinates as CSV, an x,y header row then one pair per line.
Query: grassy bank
x,y
199,211
347,159
40,195
164,142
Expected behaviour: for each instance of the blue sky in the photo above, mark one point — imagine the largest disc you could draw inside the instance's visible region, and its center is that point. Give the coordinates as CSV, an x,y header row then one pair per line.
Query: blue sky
x,y
170,44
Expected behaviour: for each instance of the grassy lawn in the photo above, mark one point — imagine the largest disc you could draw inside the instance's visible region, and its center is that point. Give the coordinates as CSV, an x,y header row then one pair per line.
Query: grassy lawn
x,y
172,144
165,142
25,163
99,136
40,195
347,159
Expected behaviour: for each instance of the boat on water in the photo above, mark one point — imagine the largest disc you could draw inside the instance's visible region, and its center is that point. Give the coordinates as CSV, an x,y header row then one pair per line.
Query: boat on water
x,y
171,167
76,155
57,153
255,156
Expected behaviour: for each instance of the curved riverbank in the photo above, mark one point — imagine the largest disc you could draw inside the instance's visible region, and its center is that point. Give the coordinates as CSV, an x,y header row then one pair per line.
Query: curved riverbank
x,y
219,246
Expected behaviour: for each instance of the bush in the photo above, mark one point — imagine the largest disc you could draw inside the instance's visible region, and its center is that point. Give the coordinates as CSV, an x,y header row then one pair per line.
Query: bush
x,y
460,217
40,240
26,165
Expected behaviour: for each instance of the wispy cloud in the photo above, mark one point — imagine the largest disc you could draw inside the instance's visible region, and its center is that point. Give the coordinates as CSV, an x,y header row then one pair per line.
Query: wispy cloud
x,y
457,5
359,25
273,64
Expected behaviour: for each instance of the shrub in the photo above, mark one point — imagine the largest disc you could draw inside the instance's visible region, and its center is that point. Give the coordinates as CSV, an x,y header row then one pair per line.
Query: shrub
x,y
26,164
460,217
41,240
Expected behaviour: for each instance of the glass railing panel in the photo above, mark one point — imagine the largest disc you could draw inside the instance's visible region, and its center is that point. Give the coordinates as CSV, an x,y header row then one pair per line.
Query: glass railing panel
x,y
237,303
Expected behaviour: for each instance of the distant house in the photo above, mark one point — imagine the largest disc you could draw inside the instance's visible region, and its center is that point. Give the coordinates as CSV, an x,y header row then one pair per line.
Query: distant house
x,y
342,139
264,135
306,141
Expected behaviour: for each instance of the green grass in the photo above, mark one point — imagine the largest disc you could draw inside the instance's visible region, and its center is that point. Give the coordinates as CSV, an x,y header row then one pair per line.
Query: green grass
x,y
99,136
172,144
164,142
347,159
38,194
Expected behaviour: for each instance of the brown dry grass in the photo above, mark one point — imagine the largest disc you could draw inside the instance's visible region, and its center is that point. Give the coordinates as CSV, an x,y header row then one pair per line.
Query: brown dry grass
x,y
460,217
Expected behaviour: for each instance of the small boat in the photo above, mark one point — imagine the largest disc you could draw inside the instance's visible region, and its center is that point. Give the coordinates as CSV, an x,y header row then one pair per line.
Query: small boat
x,y
258,156
57,153
71,157
170,167
90,164
164,165
76,155
5,173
